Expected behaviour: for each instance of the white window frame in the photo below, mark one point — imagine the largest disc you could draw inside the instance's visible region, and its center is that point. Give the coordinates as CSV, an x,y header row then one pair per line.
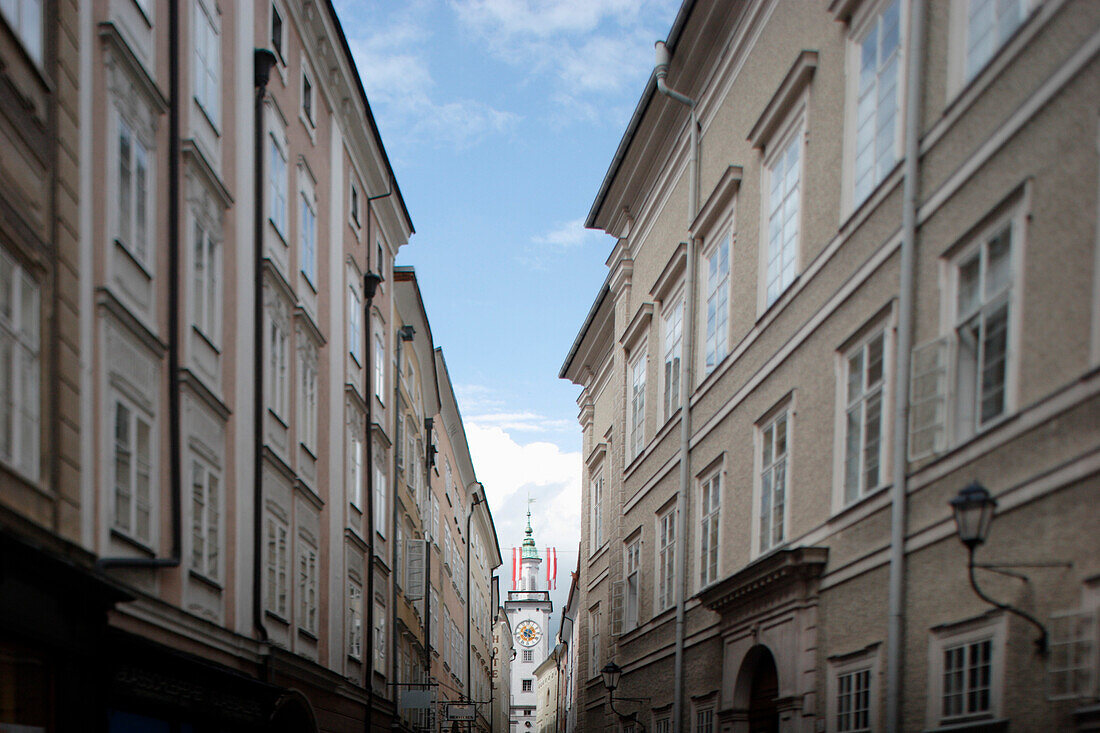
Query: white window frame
x,y
355,204
961,429
717,299
134,214
136,503
883,389
1073,660
632,591
595,618
278,175
867,20
709,534
380,493
354,636
793,132
596,538
992,626
704,717
277,45
278,371
637,376
664,587
206,512
379,365
307,399
26,18
205,281
672,353
379,635
767,463
207,59
355,323
841,667
20,350
277,566
308,99
307,584
355,465
307,234
962,68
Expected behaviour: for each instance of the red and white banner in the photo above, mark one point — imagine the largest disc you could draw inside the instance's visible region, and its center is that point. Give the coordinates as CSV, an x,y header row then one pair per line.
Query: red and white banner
x,y
551,568
515,568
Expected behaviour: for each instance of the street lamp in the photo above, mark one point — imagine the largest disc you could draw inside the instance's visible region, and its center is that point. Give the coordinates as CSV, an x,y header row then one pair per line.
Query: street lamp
x,y
973,509
611,673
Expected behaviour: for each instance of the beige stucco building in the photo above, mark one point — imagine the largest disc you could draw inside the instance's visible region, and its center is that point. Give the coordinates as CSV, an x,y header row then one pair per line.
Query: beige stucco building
x,y
214,447
856,269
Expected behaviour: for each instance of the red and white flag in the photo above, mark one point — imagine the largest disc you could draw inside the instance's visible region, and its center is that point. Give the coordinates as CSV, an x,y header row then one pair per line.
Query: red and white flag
x,y
551,568
515,568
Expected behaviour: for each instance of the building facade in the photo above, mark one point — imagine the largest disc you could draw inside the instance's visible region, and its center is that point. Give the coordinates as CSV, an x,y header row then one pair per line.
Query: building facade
x,y
547,691
504,653
843,229
205,383
528,609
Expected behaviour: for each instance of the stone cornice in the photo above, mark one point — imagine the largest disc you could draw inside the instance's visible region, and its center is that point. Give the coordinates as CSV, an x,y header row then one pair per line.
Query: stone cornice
x,y
765,577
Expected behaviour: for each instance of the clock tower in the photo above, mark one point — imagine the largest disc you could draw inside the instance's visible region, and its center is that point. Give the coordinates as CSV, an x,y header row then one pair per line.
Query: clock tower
x,y
528,610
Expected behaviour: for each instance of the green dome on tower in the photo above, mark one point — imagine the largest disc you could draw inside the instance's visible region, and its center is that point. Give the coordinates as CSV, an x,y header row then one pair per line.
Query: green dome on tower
x,y
529,549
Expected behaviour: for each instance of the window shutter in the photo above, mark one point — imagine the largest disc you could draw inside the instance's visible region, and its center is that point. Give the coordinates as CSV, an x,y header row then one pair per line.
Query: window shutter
x,y
414,569
617,607
928,399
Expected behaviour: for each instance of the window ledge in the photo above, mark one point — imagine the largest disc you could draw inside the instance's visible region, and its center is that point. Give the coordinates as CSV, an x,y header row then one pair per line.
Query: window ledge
x,y
205,580
208,117
209,341
985,725
843,510
275,616
134,258
271,411
133,541
306,633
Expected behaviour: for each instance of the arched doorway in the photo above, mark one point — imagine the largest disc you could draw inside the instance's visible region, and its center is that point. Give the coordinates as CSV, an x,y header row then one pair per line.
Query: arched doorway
x,y
293,714
763,691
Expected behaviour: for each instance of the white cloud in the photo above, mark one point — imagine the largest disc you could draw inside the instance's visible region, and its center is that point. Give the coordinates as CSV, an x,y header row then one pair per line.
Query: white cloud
x,y
522,422
569,234
540,17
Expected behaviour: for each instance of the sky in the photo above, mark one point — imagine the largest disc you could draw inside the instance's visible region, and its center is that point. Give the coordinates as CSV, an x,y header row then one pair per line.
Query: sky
x,y
500,118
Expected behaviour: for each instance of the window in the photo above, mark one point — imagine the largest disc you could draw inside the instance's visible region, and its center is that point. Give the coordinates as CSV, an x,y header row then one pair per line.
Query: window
x,y
853,701
662,725
435,519
355,315
637,404
207,52
967,668
308,240
528,655
989,23
133,471
24,17
773,482
594,618
379,636
709,509
307,97
276,31
20,401
863,418
875,60
630,602
983,289
307,586
673,341
355,204
276,566
278,187
205,497
784,204
355,468
704,720
133,193
718,303
666,560
278,388
204,295
1071,664
379,366
596,539
528,685
380,496
355,620
308,398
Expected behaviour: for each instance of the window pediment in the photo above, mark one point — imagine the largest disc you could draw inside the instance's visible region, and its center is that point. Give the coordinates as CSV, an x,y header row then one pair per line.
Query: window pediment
x,y
718,201
774,575
789,93
672,274
639,326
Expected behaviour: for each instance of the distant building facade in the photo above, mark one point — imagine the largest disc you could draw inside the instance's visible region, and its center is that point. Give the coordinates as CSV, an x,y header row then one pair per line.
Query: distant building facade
x,y
547,687
528,609
844,231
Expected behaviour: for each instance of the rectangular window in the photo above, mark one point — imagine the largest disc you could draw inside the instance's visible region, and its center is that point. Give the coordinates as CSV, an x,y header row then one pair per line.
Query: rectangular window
x,y
379,366
20,367
207,53
355,620
308,398
355,469
597,513
1071,664
666,560
989,23
528,656
704,720
637,404
773,482
983,285
967,678
309,241
24,17
876,99
709,510
307,586
528,685
435,519
853,701
594,618
663,725
204,293
355,315
379,498
276,31
133,193
863,418
278,389
633,584
355,204
718,304
307,97
133,472
205,536
276,566
278,187
673,341
784,210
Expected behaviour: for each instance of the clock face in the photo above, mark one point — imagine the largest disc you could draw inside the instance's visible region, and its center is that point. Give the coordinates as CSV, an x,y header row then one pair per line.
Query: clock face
x,y
528,633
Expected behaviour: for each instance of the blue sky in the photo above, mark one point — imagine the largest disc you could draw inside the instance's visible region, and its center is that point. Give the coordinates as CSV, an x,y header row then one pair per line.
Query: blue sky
x,y
500,118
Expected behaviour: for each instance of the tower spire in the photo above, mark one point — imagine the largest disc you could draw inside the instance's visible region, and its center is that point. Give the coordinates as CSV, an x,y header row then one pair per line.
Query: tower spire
x,y
529,548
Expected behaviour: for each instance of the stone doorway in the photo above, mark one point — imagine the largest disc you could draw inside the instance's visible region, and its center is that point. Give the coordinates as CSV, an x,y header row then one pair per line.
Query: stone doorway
x,y
763,691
